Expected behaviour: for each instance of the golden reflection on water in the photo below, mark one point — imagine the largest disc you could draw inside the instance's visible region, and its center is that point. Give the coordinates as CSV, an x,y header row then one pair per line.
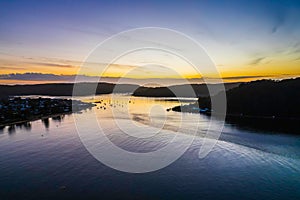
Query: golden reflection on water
x,y
140,111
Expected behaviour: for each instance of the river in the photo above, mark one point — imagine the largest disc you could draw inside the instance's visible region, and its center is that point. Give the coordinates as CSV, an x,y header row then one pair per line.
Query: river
x,y
48,159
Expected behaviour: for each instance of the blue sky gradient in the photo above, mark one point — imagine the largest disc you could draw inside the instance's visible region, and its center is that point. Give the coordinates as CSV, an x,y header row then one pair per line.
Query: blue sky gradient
x,y
238,35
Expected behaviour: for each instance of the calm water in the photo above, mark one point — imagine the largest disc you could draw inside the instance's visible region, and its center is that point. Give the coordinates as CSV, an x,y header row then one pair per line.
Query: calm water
x,y
46,160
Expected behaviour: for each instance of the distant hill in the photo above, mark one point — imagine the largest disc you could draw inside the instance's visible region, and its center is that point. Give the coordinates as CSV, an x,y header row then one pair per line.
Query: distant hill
x,y
198,90
263,98
266,104
64,89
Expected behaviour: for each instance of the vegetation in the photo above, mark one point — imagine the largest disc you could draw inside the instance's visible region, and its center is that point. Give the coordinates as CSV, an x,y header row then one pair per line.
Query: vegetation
x,y
266,104
64,89
186,90
265,98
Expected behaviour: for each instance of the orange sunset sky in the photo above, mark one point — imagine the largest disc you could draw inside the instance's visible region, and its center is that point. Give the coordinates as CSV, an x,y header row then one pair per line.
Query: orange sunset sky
x,y
246,41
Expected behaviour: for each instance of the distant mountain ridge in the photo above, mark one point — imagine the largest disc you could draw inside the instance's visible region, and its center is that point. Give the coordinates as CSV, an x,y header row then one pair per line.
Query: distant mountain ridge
x,y
192,90
64,89
84,89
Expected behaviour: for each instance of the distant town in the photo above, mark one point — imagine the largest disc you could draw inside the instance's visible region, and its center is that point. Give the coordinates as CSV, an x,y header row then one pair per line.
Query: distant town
x,y
20,110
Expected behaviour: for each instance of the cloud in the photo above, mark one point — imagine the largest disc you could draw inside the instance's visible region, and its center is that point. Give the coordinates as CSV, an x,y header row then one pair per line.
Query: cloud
x,y
244,77
256,61
39,77
12,68
296,59
32,76
48,77
14,61
296,51
63,63
279,21
52,64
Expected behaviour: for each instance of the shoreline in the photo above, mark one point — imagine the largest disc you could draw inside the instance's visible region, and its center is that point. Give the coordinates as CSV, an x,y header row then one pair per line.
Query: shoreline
x,y
19,110
191,109
287,125
35,119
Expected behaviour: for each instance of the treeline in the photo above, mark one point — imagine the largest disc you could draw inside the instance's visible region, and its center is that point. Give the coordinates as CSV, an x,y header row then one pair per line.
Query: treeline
x,y
186,90
84,89
265,98
64,89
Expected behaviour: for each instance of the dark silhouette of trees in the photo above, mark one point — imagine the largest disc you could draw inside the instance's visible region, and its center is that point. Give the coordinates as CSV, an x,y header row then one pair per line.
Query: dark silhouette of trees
x,y
265,98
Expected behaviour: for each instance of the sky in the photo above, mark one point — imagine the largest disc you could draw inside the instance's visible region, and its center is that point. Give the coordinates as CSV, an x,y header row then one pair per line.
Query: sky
x,y
245,39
